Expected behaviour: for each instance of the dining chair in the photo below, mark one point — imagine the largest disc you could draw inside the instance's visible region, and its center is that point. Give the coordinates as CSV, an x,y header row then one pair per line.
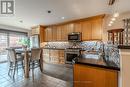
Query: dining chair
x,y
35,59
14,59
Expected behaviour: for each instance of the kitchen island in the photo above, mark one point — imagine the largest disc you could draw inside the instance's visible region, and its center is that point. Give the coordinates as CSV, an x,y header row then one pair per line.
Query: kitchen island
x,y
89,72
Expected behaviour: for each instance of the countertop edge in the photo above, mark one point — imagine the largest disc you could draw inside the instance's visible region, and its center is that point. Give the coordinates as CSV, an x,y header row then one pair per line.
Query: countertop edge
x,y
100,66
54,48
124,47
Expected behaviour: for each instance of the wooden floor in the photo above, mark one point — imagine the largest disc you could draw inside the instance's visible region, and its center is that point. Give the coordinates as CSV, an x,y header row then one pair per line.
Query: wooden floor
x,y
40,79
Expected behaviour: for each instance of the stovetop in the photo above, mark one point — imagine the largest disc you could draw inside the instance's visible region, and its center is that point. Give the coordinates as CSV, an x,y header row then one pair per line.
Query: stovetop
x,y
73,49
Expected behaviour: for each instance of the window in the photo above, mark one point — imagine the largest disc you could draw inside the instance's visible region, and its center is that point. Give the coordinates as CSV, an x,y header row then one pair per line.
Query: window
x,y
9,39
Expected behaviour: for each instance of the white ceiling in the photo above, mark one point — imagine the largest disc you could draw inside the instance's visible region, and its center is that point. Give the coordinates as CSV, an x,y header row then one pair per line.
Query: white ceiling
x,y
34,12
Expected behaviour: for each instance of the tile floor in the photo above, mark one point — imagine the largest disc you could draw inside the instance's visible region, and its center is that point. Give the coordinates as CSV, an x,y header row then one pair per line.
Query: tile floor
x,y
40,79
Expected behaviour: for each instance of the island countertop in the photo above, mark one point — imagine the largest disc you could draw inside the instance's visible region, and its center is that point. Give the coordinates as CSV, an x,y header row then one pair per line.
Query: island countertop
x,y
96,63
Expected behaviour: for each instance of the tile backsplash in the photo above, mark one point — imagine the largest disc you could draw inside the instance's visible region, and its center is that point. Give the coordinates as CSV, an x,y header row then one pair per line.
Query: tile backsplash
x,y
111,52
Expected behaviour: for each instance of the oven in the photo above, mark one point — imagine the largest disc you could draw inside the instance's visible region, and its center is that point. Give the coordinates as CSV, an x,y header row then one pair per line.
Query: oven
x,y
70,54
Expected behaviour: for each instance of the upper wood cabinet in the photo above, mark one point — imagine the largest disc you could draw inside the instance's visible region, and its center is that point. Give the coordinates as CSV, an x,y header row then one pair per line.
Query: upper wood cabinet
x,y
39,30
86,30
49,34
70,27
97,29
54,33
77,27
35,30
59,33
64,33
91,29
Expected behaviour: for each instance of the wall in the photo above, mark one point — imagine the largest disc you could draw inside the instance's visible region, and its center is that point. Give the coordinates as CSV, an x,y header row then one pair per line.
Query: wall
x,y
125,71
117,24
6,27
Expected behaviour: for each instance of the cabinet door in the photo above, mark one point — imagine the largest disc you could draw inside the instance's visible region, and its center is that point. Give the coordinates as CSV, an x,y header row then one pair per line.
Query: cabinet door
x,y
64,33
42,34
46,56
54,33
86,30
70,27
88,76
59,33
35,30
49,34
97,29
61,57
54,55
46,34
77,27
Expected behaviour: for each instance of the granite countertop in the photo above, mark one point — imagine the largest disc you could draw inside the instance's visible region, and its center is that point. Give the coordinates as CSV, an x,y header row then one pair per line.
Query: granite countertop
x,y
124,47
96,62
54,48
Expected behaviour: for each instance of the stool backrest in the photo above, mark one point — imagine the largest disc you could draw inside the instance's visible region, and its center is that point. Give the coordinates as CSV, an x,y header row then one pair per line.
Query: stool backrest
x,y
35,53
11,55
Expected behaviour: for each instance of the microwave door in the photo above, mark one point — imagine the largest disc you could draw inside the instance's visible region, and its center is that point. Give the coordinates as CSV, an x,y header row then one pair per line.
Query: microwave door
x,y
73,37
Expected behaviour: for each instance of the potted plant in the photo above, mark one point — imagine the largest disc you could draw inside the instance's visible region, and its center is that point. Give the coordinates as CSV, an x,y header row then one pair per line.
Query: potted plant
x,y
25,42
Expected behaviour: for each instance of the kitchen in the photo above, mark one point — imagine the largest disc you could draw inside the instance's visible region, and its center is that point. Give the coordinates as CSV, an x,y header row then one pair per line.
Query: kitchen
x,y
87,51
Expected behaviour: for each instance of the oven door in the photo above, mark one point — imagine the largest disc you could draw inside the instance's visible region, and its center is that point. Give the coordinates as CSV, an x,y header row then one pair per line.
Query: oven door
x,y
69,56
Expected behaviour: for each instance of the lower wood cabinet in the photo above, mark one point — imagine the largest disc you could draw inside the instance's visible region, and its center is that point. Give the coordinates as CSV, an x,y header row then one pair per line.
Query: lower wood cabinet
x,y
53,56
89,76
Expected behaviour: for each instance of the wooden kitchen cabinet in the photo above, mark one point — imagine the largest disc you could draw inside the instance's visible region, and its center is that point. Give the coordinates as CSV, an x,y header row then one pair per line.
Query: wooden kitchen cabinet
x,y
39,30
46,55
70,27
35,30
89,76
86,30
77,27
49,34
54,33
61,57
91,29
59,33
97,29
53,56
64,34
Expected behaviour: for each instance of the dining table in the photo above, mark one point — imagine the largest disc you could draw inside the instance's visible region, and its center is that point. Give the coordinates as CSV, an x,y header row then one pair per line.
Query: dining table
x,y
26,53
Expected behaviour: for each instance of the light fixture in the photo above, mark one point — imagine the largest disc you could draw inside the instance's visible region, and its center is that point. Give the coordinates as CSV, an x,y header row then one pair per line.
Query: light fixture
x,y
113,19
62,17
116,14
111,22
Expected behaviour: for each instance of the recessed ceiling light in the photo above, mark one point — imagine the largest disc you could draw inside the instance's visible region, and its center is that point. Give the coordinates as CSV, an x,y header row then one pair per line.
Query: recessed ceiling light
x,y
116,14
62,17
111,22
21,21
113,19
49,11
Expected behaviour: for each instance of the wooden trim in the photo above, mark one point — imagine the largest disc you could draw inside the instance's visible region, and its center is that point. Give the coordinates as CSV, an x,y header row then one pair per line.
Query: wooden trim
x,y
111,2
115,30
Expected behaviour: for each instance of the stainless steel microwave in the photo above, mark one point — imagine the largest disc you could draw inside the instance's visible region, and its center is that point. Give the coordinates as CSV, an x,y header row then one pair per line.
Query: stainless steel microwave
x,y
75,36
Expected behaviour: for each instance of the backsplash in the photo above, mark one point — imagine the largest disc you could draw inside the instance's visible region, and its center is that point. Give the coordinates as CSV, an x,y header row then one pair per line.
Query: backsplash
x,y
111,52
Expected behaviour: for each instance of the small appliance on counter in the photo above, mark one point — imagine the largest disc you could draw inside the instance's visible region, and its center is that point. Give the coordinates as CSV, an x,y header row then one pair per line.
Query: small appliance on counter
x,y
74,37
